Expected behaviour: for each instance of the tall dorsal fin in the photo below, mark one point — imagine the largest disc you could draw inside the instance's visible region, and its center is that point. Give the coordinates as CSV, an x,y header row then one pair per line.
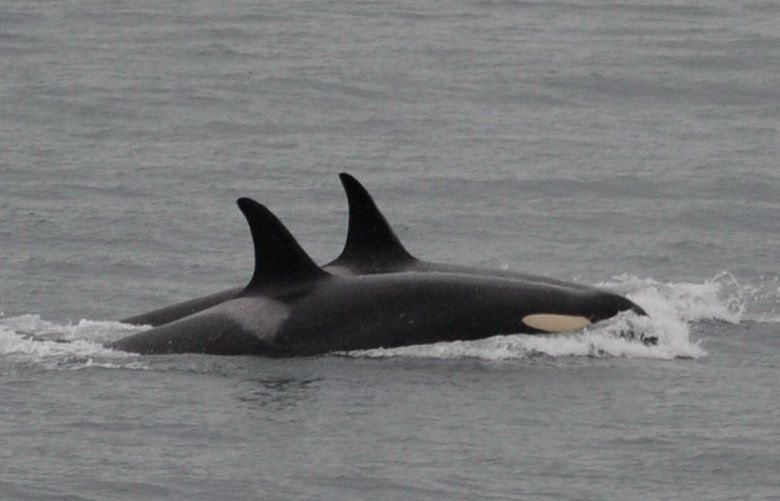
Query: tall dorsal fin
x,y
370,239
278,257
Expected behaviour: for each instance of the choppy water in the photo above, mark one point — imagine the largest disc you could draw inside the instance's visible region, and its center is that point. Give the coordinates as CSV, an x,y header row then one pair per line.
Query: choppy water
x,y
630,145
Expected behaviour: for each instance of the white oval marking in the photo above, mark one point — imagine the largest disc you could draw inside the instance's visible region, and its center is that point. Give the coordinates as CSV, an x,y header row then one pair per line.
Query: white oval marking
x,y
550,322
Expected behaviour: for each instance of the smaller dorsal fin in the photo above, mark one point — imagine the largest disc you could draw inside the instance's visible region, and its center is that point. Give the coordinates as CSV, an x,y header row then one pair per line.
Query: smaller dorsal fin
x,y
370,239
278,256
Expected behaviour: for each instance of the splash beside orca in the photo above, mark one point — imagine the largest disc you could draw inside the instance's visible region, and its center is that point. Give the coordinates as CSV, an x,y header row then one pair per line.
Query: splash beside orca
x,y
292,307
371,247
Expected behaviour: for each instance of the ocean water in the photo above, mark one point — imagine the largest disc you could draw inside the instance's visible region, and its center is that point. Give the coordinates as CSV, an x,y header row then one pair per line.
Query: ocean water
x,y
631,145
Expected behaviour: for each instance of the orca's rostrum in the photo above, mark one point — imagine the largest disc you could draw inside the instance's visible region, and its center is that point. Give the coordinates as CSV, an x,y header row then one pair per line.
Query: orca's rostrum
x,y
292,307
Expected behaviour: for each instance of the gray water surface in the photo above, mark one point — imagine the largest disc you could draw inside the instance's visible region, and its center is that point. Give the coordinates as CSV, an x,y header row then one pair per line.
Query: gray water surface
x,y
628,145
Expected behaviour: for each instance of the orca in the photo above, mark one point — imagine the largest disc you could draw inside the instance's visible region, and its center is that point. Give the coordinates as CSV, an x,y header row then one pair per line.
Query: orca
x,y
371,247
292,307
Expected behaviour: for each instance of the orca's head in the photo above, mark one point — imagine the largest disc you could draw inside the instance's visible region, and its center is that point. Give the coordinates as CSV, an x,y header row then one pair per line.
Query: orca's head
x,y
579,310
608,304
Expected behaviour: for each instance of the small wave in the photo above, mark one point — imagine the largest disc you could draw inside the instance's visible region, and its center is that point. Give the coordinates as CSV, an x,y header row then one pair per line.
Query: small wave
x,y
604,340
722,298
684,301
92,330
29,341
762,300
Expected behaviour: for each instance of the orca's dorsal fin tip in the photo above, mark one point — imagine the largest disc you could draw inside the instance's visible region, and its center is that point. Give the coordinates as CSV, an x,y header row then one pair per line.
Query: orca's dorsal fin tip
x,y
245,202
370,239
278,256
353,188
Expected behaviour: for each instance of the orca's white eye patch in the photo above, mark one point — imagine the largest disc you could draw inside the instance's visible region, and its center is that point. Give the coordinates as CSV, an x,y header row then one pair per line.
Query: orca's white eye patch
x,y
551,322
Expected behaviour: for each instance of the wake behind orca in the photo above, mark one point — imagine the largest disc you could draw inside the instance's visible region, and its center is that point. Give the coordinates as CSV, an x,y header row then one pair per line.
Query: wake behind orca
x,y
371,247
292,307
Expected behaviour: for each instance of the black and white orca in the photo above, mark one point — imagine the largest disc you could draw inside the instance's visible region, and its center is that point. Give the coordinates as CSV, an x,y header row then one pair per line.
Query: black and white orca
x,y
292,307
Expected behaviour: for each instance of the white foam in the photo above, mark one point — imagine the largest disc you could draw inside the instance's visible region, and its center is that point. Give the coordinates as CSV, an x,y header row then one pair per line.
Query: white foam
x,y
719,298
722,298
30,340
601,340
